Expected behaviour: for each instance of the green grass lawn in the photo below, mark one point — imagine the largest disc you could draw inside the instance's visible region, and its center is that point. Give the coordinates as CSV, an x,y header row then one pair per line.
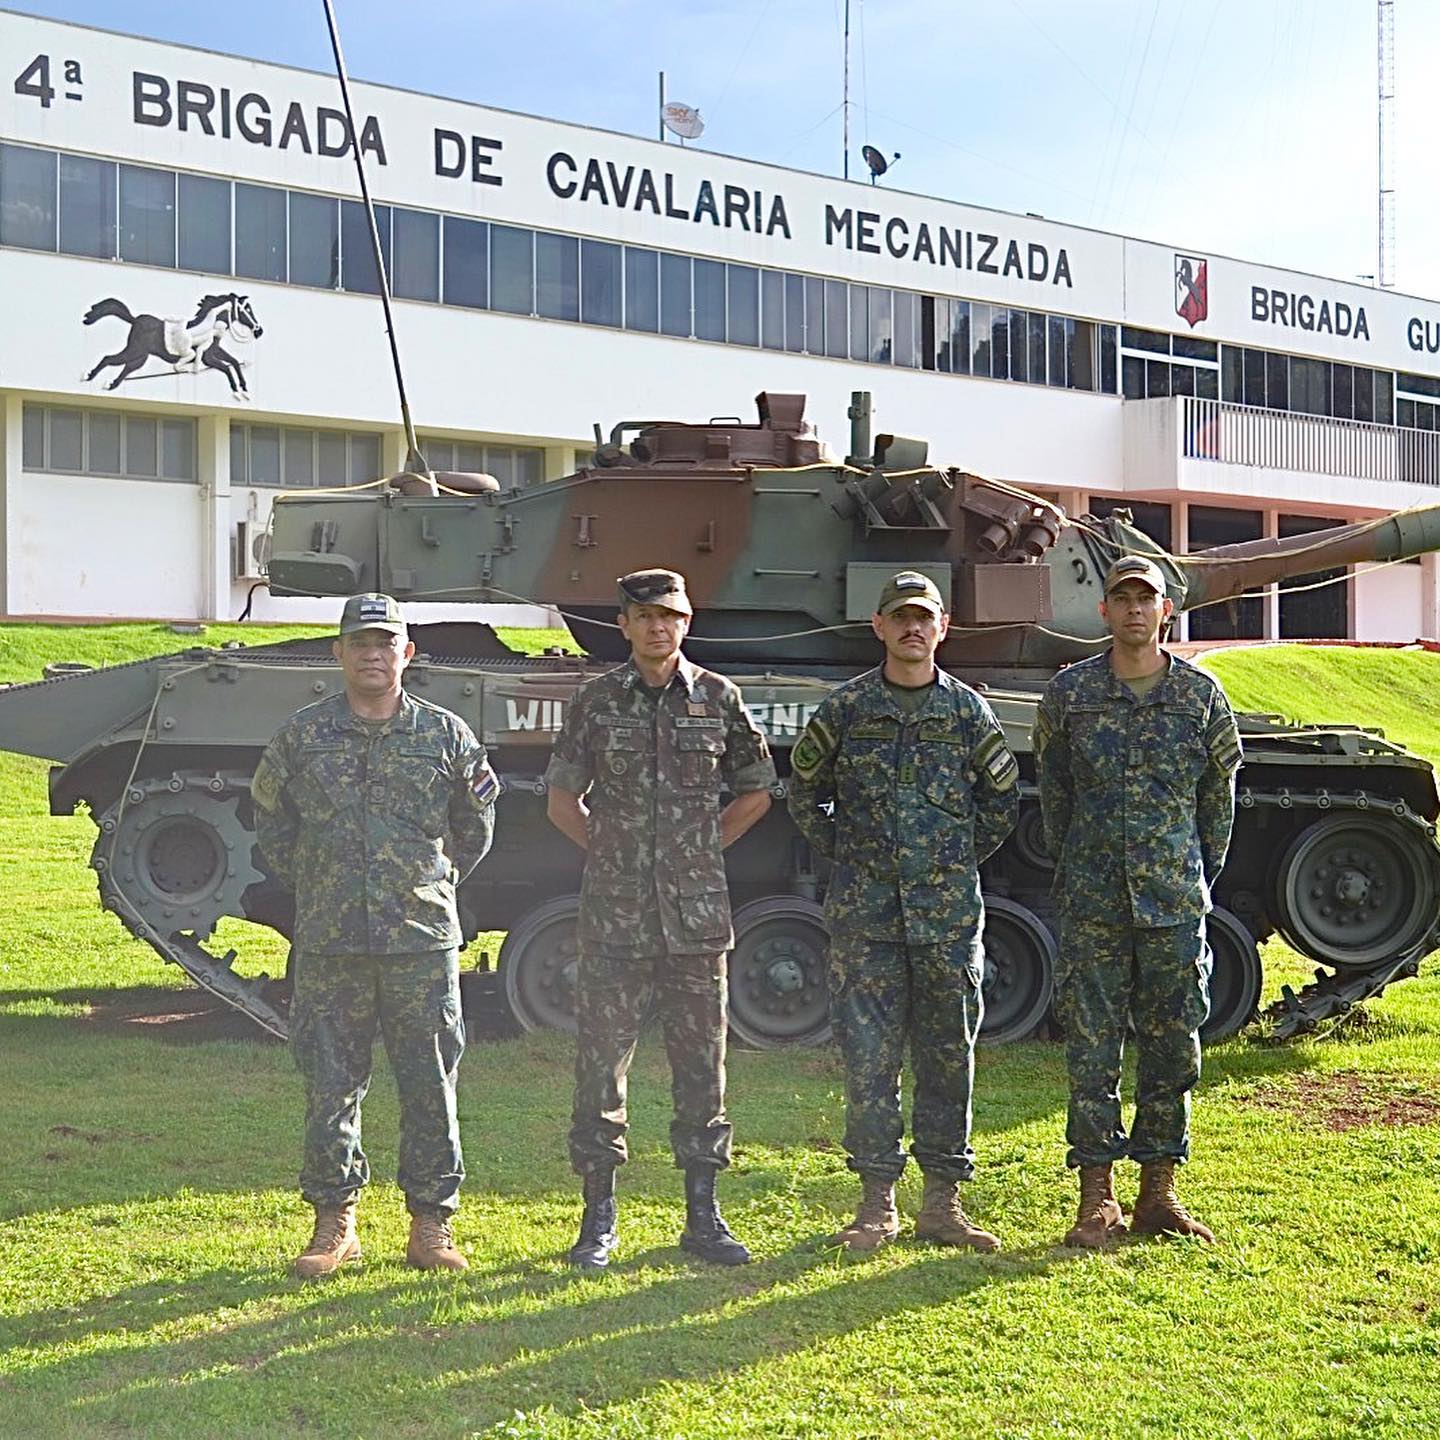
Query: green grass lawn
x,y
148,1212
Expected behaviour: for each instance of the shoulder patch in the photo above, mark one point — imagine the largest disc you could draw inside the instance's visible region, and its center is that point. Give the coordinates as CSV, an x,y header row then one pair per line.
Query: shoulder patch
x,y
484,784
994,759
813,748
266,785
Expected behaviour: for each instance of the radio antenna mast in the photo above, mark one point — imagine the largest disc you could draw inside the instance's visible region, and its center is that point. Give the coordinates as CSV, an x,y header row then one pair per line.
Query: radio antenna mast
x,y
845,93
1385,67
414,461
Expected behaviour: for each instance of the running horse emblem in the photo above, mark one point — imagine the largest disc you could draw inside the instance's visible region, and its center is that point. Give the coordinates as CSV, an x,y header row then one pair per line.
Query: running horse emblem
x,y
184,345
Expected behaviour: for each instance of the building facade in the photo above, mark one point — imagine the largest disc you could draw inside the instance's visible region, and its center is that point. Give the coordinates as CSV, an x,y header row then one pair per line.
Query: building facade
x,y
192,328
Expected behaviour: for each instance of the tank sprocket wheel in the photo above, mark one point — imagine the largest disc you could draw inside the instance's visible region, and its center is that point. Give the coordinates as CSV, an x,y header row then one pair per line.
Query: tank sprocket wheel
x,y
538,963
1354,890
176,850
778,992
1019,971
1235,977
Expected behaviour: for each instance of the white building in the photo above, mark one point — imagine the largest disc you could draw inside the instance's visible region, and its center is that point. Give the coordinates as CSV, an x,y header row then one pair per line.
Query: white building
x,y
550,276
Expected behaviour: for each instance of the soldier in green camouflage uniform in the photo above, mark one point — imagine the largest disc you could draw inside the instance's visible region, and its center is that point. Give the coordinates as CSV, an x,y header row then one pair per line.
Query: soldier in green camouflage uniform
x,y
372,805
653,745
1136,754
924,788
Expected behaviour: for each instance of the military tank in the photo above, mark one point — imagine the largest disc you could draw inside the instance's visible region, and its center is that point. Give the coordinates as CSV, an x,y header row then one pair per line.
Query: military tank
x,y
785,546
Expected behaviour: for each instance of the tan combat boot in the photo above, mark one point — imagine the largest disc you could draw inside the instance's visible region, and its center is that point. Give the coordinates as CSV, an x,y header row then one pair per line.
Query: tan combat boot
x,y
1159,1211
1100,1218
432,1243
942,1219
333,1243
876,1220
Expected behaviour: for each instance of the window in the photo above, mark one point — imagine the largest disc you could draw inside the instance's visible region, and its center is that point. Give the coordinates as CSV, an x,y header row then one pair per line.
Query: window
x,y
295,458
203,224
357,249
960,337
859,322
511,465
1108,351
1037,348
1277,381
1232,386
557,277
675,295
415,236
1019,330
1255,377
599,283
772,309
512,270
980,339
1080,355
1132,369
1384,397
709,299
1151,340
1363,387
467,262
87,208
742,304
261,243
1215,525
147,215
1157,379
642,290
1060,327
1309,386
837,320
907,331
999,343
27,197
814,316
107,442
795,313
882,326
315,240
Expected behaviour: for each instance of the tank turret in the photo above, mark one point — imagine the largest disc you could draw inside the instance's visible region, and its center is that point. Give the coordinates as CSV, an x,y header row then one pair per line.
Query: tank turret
x,y
785,545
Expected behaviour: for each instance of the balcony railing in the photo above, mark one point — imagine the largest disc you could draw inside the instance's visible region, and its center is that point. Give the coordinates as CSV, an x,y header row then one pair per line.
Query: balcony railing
x,y
1313,444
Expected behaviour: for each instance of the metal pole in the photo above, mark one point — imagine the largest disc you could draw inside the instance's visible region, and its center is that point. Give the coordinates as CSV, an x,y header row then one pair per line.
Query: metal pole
x,y
414,460
662,107
845,102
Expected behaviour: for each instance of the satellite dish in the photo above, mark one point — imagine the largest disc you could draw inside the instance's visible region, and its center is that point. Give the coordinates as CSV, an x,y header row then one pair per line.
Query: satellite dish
x,y
877,162
682,120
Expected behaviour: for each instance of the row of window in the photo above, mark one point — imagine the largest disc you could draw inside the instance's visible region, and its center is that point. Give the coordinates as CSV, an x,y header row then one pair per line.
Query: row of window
x,y
79,205
511,465
107,442
292,457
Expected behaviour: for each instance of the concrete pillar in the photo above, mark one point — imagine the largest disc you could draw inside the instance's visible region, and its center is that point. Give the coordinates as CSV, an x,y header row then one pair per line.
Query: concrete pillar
x,y
216,527
1430,596
559,460
1180,530
393,450
1270,608
12,456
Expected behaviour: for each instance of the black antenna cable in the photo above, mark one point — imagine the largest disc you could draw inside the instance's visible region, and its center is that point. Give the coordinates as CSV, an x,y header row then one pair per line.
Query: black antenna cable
x,y
414,461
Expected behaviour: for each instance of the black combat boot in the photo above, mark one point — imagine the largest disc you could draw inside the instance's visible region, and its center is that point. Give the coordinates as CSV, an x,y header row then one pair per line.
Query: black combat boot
x,y
597,1227
706,1233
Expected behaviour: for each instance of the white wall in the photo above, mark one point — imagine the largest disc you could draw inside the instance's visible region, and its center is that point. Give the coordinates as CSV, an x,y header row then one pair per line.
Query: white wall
x,y
84,546
1385,604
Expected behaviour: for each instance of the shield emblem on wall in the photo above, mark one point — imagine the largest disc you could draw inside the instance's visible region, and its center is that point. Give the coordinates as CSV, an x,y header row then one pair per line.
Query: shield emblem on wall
x,y
1192,289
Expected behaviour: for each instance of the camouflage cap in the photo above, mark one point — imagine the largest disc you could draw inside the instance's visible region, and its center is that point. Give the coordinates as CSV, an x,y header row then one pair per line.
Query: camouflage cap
x,y
371,612
655,587
910,587
1135,567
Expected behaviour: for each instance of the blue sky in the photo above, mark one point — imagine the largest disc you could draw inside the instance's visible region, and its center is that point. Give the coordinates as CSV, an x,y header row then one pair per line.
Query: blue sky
x,y
1244,127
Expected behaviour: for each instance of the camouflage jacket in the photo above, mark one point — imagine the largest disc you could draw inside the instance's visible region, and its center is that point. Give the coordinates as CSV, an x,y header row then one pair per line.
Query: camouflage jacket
x,y
654,769
919,801
373,827
1138,796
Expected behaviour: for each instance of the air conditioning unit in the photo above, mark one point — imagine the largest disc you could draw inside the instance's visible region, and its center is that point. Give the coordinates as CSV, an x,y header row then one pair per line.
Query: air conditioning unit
x,y
248,550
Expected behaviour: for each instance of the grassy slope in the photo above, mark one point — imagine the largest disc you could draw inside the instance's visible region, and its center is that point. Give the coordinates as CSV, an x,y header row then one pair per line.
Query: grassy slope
x,y
147,1210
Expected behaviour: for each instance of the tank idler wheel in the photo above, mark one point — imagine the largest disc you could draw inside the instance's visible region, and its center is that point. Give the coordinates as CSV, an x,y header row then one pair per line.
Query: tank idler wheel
x,y
176,850
538,963
1029,839
1354,890
778,992
1234,977
1019,971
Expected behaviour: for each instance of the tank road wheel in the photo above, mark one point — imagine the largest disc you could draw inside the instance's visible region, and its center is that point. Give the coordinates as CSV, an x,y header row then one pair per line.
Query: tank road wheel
x,y
177,852
1019,971
1355,890
778,992
538,962
1235,979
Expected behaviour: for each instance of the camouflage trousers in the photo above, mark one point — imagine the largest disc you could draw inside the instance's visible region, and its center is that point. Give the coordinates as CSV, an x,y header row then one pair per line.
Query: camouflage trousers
x,y
1108,979
614,996
414,1001
881,994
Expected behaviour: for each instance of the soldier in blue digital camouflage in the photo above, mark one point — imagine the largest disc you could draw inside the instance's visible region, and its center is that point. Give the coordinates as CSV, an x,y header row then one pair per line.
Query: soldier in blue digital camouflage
x,y
1135,754
372,805
923,788
636,780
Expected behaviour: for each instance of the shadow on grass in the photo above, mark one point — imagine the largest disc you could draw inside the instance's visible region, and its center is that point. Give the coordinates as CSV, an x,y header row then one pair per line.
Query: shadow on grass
x,y
384,1346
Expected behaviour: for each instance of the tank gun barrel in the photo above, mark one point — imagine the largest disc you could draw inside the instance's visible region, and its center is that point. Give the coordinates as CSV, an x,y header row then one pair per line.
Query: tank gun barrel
x,y
1230,570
